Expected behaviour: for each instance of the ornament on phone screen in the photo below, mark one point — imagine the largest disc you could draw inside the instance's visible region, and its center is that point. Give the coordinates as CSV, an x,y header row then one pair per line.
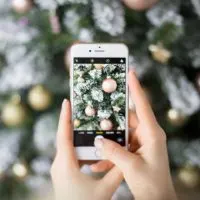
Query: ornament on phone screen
x,y
106,125
109,85
77,123
99,66
89,111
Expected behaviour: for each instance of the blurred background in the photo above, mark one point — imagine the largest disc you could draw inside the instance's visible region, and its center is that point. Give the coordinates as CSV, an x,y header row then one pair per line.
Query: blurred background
x,y
35,38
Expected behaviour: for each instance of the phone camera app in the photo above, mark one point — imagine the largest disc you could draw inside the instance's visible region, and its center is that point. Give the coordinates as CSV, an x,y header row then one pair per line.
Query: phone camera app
x,y
99,100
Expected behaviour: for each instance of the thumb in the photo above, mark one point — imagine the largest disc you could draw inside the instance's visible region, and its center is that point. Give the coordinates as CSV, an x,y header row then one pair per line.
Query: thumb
x,y
114,152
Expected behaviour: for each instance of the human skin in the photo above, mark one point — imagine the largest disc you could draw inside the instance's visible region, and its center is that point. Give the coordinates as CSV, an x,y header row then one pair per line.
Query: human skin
x,y
68,181
146,167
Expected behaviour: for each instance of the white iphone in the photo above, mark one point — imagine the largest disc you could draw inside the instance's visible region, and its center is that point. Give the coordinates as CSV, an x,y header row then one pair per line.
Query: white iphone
x,y
99,96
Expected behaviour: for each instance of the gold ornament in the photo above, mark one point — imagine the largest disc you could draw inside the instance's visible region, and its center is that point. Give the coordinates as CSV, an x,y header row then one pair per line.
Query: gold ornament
x,y
40,98
99,66
189,176
175,117
140,4
14,113
20,170
159,53
77,123
22,6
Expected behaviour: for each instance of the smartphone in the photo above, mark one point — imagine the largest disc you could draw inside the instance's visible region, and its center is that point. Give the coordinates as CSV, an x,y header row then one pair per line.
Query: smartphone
x,y
99,96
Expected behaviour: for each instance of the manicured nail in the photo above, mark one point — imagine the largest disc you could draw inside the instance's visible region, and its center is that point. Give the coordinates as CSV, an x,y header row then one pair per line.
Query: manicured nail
x,y
132,70
64,102
98,143
93,167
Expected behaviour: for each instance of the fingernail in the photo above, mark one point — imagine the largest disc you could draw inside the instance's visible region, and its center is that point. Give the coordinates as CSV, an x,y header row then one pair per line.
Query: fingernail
x,y
132,71
64,102
98,143
92,167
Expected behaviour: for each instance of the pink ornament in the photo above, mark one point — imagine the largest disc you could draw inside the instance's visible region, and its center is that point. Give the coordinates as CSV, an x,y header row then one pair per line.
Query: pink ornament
x,y
140,4
89,111
106,125
22,6
99,66
109,85
55,23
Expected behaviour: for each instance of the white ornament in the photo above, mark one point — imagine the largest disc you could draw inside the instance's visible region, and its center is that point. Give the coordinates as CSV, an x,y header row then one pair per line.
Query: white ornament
x,y
89,111
109,85
106,124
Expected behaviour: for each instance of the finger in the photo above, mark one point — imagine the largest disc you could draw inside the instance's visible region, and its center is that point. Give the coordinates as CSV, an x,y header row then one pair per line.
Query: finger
x,y
112,179
143,108
114,152
133,120
65,148
101,166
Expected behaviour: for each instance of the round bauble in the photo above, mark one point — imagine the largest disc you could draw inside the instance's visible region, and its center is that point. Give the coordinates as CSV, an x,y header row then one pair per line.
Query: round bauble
x,y
14,114
99,66
176,117
189,176
106,124
20,170
139,4
159,53
109,85
89,111
77,123
22,6
40,98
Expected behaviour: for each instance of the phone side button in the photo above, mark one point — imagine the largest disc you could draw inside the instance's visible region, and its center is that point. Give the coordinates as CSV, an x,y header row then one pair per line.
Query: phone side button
x,y
98,153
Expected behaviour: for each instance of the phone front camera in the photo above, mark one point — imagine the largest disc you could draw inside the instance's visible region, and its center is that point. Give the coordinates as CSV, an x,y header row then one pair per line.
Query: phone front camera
x,y
90,50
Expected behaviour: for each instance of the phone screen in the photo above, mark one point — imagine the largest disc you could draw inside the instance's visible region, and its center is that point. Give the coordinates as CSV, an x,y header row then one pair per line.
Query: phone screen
x,y
99,100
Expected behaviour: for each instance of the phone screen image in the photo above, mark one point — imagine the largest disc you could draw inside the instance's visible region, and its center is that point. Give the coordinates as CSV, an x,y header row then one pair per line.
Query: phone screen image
x,y
99,100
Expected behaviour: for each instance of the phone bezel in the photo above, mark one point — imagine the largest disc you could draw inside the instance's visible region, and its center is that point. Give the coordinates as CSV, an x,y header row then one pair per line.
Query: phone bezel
x,y
114,50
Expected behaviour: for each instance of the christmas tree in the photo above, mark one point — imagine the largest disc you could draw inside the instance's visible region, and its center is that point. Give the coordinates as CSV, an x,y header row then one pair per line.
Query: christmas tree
x,y
35,40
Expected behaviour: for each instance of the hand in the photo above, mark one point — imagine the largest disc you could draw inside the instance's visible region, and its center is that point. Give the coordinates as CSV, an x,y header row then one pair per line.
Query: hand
x,y
146,169
68,181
